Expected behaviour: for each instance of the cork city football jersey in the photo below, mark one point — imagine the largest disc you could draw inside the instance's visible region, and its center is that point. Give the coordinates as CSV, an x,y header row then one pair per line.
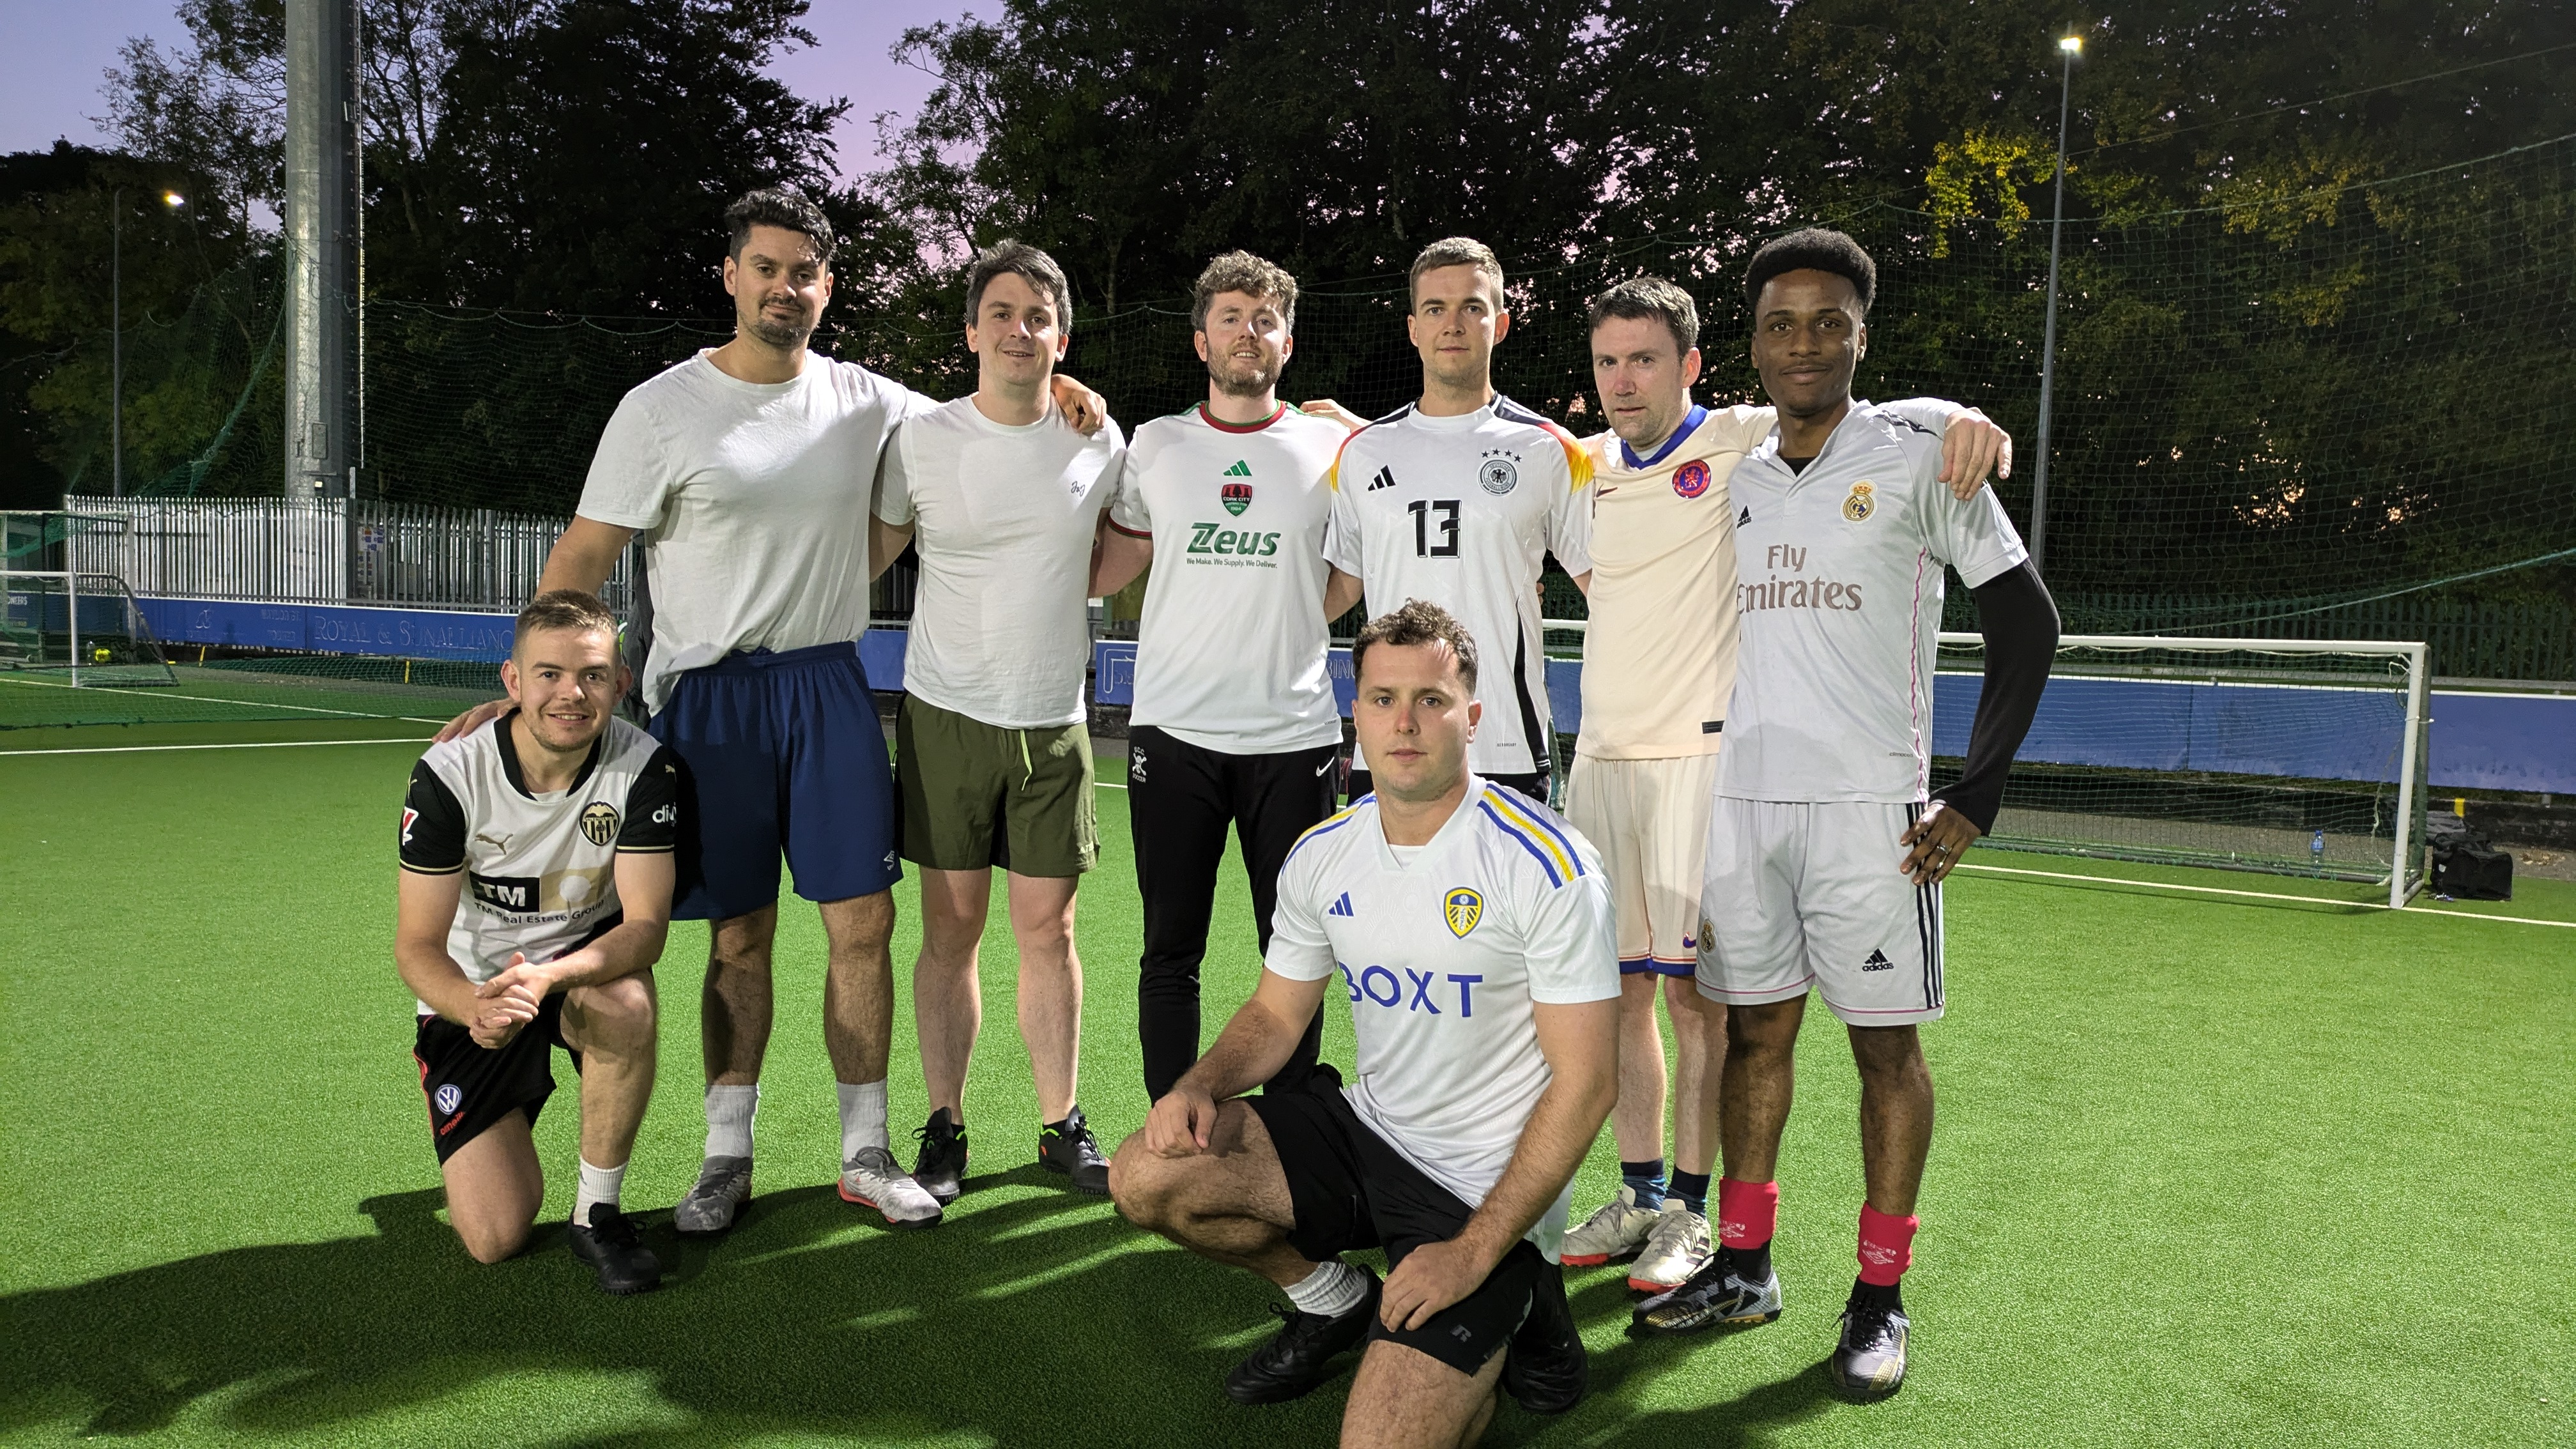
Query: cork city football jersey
x,y
1839,594
1230,653
1441,951
540,870
1462,512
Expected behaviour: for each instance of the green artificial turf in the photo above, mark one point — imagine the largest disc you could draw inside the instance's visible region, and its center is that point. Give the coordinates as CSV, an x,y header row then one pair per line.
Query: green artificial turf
x,y
2209,1170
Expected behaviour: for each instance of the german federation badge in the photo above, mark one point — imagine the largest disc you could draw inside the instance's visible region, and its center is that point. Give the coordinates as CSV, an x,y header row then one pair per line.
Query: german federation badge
x,y
1464,908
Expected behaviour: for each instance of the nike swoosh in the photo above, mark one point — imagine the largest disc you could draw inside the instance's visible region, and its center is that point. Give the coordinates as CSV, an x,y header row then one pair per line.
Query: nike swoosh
x,y
1604,492
1320,769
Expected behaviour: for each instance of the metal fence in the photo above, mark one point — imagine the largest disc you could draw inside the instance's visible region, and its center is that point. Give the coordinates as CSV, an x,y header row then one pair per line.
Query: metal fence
x,y
323,551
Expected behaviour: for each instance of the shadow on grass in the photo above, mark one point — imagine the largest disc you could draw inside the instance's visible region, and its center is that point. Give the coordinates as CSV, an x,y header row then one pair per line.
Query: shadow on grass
x,y
1029,1319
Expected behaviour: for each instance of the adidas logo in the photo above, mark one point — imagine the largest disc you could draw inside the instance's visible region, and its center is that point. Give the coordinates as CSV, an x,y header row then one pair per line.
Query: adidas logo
x,y
1241,469
1744,518
1878,962
1385,479
1342,907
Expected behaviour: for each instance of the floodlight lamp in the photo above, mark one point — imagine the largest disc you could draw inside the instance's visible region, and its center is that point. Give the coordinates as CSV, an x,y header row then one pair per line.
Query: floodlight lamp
x,y
2072,45
173,199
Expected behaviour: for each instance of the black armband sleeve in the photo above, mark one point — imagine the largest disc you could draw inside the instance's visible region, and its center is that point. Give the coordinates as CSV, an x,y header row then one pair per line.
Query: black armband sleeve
x,y
2019,621
432,840
653,805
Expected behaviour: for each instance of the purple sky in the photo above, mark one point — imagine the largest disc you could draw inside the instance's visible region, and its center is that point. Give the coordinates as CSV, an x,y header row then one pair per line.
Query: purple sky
x,y
52,57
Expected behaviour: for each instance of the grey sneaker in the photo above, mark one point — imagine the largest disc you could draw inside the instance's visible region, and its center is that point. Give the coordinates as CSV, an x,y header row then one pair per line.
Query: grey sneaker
x,y
1869,1353
1617,1230
1675,1247
873,1180
724,1185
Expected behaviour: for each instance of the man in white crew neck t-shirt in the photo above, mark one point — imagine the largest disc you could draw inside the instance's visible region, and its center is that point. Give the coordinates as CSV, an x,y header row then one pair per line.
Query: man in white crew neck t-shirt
x,y
744,472
1470,931
1458,498
1234,721
1002,497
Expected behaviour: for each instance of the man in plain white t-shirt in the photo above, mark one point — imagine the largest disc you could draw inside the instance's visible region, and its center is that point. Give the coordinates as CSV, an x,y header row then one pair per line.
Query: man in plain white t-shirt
x,y
745,471
1002,497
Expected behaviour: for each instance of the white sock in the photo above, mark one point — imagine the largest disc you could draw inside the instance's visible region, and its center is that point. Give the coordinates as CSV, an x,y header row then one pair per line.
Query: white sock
x,y
863,1117
598,1185
1333,1289
729,1112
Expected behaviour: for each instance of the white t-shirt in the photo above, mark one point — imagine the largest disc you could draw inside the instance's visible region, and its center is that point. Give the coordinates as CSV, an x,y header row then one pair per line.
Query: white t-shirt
x,y
751,499
1230,655
1839,604
1462,512
1441,954
1004,518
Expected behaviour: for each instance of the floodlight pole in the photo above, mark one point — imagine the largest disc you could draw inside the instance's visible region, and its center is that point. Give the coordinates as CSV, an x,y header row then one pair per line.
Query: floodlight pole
x,y
321,198
116,343
2071,46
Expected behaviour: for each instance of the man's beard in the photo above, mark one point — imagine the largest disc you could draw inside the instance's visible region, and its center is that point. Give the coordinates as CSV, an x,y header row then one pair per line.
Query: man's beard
x,y
776,334
1235,381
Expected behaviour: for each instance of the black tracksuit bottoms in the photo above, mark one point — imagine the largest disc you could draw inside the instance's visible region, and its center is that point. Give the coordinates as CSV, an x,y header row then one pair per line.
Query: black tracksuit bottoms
x,y
1180,799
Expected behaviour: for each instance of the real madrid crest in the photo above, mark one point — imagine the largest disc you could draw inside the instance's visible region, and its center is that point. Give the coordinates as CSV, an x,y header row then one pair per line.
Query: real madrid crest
x,y
599,822
1464,908
1497,474
1861,503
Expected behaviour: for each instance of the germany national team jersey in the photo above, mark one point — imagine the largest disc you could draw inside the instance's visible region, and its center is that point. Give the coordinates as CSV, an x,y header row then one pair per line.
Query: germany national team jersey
x,y
1462,512
540,870
1230,655
1442,950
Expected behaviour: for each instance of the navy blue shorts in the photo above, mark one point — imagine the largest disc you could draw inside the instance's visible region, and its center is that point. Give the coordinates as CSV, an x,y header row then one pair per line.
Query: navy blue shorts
x,y
783,752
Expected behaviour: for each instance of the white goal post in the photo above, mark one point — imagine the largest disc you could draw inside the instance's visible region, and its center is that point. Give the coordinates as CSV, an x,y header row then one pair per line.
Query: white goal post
x,y
2214,758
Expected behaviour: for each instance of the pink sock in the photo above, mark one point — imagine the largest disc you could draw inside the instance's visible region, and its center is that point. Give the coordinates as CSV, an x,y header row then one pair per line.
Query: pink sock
x,y
1747,1212
1886,1246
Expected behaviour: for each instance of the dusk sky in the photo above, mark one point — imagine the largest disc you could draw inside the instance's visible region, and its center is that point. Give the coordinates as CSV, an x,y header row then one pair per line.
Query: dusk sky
x,y
53,57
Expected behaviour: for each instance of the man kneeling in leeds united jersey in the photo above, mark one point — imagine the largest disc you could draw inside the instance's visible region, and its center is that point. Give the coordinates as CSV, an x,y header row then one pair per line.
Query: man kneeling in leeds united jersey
x,y
562,819
1471,932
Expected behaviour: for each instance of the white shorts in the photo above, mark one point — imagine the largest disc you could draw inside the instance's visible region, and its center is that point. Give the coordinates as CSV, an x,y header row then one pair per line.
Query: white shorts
x,y
1649,820
1809,895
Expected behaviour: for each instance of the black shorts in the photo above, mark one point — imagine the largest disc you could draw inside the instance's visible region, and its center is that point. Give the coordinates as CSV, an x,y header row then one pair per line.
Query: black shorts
x,y
1351,1189
471,1087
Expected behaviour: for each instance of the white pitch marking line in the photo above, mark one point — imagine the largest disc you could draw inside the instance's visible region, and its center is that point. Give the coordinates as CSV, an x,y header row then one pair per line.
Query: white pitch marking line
x,y
252,745
2261,895
212,699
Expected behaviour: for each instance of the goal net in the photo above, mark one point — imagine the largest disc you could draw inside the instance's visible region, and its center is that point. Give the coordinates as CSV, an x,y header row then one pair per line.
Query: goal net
x,y
64,630
2294,757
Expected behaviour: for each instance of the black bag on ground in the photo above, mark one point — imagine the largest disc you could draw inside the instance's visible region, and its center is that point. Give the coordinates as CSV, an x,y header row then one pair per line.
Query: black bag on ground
x,y
2465,866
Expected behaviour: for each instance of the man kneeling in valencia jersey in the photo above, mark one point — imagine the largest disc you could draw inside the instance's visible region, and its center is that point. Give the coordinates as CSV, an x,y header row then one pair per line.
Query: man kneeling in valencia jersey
x,y
562,818
1470,930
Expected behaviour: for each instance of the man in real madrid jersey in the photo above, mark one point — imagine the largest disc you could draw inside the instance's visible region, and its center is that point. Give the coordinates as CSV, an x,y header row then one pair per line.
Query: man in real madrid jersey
x,y
1470,932
536,891
1658,665
1458,498
1234,721
1826,846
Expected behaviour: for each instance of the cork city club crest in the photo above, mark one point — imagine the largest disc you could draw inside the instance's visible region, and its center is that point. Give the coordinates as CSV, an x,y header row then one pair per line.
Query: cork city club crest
x,y
1234,494
1464,908
1862,502
1690,480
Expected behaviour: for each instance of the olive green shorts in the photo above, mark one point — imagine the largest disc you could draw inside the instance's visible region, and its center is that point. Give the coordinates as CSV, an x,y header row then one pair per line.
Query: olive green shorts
x,y
977,795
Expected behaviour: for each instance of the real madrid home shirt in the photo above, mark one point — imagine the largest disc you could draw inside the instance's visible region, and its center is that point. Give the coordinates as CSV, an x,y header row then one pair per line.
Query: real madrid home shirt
x,y
1231,651
1659,654
1004,517
1462,512
751,502
540,870
1442,952
1839,597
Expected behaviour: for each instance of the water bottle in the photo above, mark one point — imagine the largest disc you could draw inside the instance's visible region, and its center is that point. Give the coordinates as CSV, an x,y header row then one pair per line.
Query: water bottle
x,y
2317,852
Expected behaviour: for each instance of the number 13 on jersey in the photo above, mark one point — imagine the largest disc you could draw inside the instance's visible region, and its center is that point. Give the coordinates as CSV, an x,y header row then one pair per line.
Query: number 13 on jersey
x,y
1430,514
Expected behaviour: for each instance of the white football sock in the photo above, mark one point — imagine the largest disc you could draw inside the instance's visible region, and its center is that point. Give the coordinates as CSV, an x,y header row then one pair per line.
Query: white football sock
x,y
598,1185
1333,1289
863,1117
729,1113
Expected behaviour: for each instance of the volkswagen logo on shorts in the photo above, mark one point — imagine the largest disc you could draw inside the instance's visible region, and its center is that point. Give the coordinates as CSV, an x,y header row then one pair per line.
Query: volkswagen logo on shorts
x,y
1690,480
599,822
448,1098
